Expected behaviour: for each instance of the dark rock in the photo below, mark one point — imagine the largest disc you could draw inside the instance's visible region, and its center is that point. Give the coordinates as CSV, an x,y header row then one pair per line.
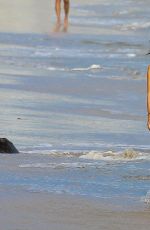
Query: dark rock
x,y
7,147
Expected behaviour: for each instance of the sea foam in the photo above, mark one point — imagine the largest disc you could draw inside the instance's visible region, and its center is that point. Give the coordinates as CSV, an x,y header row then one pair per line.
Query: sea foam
x,y
146,199
92,67
126,155
63,165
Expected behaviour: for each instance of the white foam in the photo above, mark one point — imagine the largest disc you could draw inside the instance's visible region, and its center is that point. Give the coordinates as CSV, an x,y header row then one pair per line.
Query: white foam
x,y
147,198
34,165
42,54
131,55
127,155
135,26
75,165
43,145
40,148
123,12
122,54
56,153
51,68
92,67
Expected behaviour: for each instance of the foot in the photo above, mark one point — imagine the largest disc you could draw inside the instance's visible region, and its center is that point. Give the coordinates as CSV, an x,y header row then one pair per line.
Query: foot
x,y
65,25
57,26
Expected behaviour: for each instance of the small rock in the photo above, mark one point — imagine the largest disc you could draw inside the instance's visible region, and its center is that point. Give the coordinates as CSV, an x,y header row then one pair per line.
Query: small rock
x,y
7,147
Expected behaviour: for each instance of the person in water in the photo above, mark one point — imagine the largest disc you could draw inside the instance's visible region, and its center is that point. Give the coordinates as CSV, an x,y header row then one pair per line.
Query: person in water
x,y
148,97
58,13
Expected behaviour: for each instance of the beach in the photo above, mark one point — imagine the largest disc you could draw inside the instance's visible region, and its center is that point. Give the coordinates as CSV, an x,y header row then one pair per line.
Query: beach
x,y
21,210
74,105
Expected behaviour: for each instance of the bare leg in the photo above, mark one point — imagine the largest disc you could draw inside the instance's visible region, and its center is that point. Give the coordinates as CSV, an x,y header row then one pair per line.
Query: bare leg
x,y
58,10
148,97
66,10
58,15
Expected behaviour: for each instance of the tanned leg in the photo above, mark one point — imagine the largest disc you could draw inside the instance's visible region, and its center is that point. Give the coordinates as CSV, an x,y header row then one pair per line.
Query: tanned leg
x,y
148,97
58,15
58,10
66,10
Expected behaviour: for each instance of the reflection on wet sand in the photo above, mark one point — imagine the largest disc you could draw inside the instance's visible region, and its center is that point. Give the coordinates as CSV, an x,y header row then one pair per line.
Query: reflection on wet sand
x,y
58,15
33,16
30,16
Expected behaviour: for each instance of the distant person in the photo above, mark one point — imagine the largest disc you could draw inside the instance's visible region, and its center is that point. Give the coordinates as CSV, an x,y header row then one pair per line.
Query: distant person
x,y
58,14
148,97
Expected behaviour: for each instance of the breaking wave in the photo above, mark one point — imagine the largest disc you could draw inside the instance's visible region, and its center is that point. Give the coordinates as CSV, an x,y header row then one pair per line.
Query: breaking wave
x,y
127,155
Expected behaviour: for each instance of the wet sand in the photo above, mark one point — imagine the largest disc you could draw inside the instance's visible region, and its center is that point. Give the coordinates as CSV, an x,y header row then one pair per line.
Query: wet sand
x,y
26,62
36,211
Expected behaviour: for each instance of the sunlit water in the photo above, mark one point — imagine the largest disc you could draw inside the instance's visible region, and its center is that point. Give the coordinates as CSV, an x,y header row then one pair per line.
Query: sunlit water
x,y
75,102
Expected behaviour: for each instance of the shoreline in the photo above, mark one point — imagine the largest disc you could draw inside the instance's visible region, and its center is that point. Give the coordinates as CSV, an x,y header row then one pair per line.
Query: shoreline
x,y
66,98
25,210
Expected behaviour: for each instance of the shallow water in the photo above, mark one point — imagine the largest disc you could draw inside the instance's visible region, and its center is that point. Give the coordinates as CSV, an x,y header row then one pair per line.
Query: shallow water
x,y
75,96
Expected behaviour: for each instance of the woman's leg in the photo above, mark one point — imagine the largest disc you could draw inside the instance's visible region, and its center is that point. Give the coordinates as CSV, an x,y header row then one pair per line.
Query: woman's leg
x,y
58,10
66,10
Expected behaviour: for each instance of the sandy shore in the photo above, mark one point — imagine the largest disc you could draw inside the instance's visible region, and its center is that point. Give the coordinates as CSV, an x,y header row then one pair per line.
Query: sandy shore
x,y
36,211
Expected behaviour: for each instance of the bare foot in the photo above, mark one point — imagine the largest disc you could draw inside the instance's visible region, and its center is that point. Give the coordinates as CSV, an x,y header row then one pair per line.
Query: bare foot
x,y
65,29
57,26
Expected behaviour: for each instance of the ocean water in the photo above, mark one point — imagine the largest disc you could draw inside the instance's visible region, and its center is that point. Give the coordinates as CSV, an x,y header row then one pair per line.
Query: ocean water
x,y
75,103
